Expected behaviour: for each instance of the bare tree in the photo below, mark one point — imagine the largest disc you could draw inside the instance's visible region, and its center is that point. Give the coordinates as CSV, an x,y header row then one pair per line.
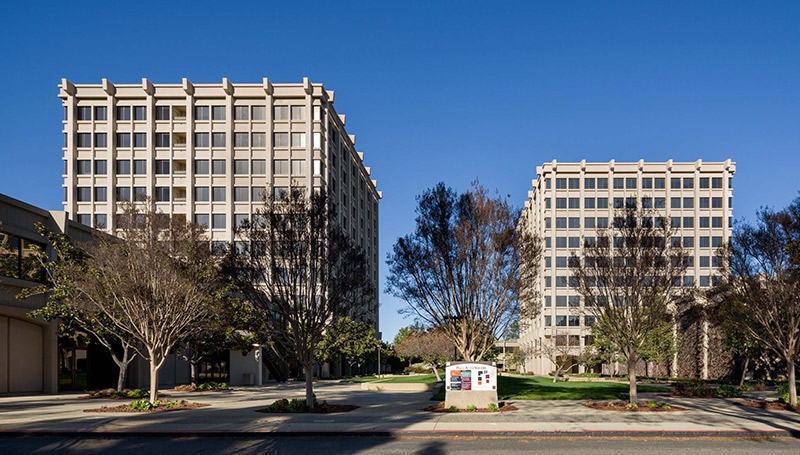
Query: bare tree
x,y
762,284
560,349
628,278
459,271
154,283
302,270
430,346
59,288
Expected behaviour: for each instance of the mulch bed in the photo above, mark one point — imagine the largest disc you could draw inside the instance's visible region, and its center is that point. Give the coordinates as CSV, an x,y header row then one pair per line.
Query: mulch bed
x,y
324,408
768,405
440,408
622,406
191,388
111,394
124,408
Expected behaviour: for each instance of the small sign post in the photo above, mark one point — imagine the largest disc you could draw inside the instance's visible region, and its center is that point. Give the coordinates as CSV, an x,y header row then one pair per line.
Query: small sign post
x,y
470,383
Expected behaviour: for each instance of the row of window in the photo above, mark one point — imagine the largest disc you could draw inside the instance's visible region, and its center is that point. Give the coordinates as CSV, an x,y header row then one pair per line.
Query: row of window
x,y
563,262
601,222
647,202
162,194
575,242
201,167
685,281
590,183
100,113
258,140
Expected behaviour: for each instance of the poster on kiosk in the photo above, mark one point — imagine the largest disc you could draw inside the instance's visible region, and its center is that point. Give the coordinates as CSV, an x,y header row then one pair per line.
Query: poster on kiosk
x,y
471,383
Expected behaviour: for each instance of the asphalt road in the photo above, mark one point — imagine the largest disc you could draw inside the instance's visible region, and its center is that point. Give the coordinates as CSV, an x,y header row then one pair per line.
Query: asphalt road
x,y
402,445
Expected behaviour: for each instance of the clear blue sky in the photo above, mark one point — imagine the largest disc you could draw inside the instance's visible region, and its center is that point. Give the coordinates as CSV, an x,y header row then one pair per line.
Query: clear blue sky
x,y
437,90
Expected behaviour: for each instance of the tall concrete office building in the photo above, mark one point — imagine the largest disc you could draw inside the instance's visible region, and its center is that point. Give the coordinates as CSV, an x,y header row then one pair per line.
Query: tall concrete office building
x,y
207,152
569,202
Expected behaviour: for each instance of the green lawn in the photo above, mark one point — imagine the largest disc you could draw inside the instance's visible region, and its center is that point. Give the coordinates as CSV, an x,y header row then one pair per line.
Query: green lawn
x,y
410,379
543,388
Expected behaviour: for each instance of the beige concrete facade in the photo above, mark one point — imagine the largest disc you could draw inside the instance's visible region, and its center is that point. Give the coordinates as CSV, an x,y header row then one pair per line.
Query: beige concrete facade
x,y
207,152
570,201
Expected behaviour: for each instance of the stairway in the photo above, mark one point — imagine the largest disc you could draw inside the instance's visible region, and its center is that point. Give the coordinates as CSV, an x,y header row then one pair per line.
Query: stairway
x,y
278,369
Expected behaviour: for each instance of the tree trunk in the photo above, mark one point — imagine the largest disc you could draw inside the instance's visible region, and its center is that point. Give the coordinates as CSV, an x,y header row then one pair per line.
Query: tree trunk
x,y
307,371
193,375
153,380
744,370
123,365
632,376
792,384
436,372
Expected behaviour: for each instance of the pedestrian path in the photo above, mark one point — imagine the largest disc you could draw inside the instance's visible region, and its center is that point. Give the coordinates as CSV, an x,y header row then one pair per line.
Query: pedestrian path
x,y
234,413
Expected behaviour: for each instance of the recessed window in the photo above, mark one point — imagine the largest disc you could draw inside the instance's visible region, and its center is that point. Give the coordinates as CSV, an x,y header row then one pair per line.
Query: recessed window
x,y
85,219
201,219
100,221
218,139
659,183
574,183
241,139
139,193
688,222
140,139
201,167
84,194
647,183
602,183
574,203
84,167
162,167
574,223
619,183
123,167
704,182
201,194
123,194
688,242
84,139
675,203
123,112
588,183
162,193
281,112
588,203
647,202
218,113
241,167
100,140
280,167
163,112
259,167
201,139
602,203
660,202
100,167
259,112
281,139
561,183
630,183
588,222
716,222
704,222
716,202
218,194
704,202
162,139
241,194
84,113
675,183
218,167
298,139
201,112
298,112
140,112
688,182
259,140
258,193
280,193
241,112
140,167
123,139
100,113
561,202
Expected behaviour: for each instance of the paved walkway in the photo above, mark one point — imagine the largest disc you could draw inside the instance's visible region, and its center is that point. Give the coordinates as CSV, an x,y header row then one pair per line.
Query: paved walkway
x,y
234,413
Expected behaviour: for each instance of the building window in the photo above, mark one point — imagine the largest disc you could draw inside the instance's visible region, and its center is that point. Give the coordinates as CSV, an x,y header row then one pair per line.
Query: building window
x,y
163,112
675,183
602,203
139,193
704,202
123,139
589,223
561,202
123,193
100,113
84,167
218,139
688,242
574,203
218,167
705,242
162,193
123,112
201,112
688,203
140,112
688,222
704,222
241,112
660,202
561,300
259,113
716,202
280,167
281,112
602,222
561,222
561,183
619,183
647,202
716,222
201,220
298,113
280,193
100,167
259,167
241,139
162,167
84,194
162,139
546,181
618,202
704,262
561,321
241,194
139,167
140,139
201,139
716,182
201,167
675,203
630,183
84,139
100,140
281,139
298,139
85,219
574,223
218,113
588,203
218,194
675,222
602,183
548,321
704,182
259,140
574,183
100,194
574,242
123,167
647,183
201,194
588,183
240,219
659,183
688,182
258,193
100,221
241,167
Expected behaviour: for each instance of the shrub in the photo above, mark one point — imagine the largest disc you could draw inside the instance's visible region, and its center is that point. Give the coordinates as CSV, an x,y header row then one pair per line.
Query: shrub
x,y
142,405
213,386
281,405
727,391
471,408
631,406
452,409
782,388
297,405
652,404
744,387
493,407
136,393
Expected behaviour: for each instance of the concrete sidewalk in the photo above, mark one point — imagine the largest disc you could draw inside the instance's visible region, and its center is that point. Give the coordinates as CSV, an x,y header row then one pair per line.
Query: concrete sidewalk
x,y
234,413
